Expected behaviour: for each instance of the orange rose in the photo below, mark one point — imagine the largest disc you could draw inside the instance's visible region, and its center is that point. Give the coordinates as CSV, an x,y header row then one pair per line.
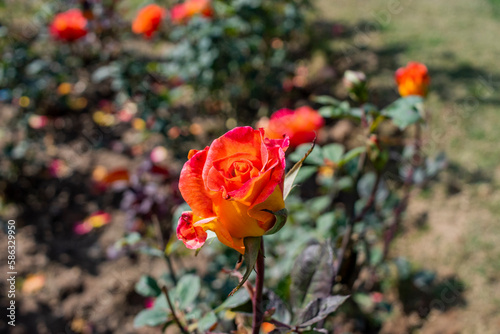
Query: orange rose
x,y
300,125
413,79
182,12
148,20
69,26
229,184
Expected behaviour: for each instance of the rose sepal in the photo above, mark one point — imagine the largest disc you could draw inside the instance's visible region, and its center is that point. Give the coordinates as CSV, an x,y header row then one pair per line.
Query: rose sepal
x,y
252,249
292,173
281,217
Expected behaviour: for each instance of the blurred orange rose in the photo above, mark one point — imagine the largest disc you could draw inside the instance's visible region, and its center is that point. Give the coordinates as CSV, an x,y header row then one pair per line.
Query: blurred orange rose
x,y
69,26
229,184
300,125
183,12
148,20
413,79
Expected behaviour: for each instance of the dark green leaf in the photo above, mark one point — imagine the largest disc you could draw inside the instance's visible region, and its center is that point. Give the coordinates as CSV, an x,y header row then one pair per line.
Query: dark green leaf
x,y
147,287
312,274
150,317
319,309
252,249
187,290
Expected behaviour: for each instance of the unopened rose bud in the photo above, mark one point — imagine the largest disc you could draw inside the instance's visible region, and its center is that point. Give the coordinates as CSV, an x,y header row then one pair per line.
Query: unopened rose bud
x,y
355,82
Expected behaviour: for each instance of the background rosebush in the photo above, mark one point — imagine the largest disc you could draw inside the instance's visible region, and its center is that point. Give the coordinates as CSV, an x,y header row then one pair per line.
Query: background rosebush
x,y
113,92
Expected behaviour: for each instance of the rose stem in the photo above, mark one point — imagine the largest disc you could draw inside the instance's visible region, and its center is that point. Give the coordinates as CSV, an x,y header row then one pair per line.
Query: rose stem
x,y
415,162
171,306
259,285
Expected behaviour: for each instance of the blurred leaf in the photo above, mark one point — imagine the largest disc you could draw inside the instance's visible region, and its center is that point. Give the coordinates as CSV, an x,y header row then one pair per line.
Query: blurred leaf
x,y
404,111
319,204
272,301
147,287
150,317
333,152
281,217
252,249
238,298
105,72
325,99
305,173
434,165
187,290
352,154
151,251
319,309
325,223
312,274
206,322
364,300
315,157
404,268
292,173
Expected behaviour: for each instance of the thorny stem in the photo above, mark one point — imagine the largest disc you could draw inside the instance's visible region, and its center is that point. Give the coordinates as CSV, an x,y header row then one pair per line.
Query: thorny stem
x,y
171,306
258,312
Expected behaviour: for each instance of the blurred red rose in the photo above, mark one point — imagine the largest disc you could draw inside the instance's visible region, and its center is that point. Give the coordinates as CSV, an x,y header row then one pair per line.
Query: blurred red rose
x,y
300,125
181,13
69,26
413,79
148,20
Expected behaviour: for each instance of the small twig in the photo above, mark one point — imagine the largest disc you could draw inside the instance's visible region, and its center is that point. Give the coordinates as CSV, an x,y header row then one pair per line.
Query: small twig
x,y
358,218
258,313
247,285
162,244
171,306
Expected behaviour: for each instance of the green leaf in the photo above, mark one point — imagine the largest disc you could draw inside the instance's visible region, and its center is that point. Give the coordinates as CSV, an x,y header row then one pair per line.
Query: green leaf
x,y
325,223
252,249
292,173
319,309
333,152
187,290
281,217
314,157
404,111
147,287
325,99
207,321
351,155
240,297
150,317
305,172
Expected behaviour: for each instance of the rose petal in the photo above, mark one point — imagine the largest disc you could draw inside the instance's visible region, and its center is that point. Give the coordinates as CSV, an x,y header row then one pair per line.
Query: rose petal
x,y
192,186
192,236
